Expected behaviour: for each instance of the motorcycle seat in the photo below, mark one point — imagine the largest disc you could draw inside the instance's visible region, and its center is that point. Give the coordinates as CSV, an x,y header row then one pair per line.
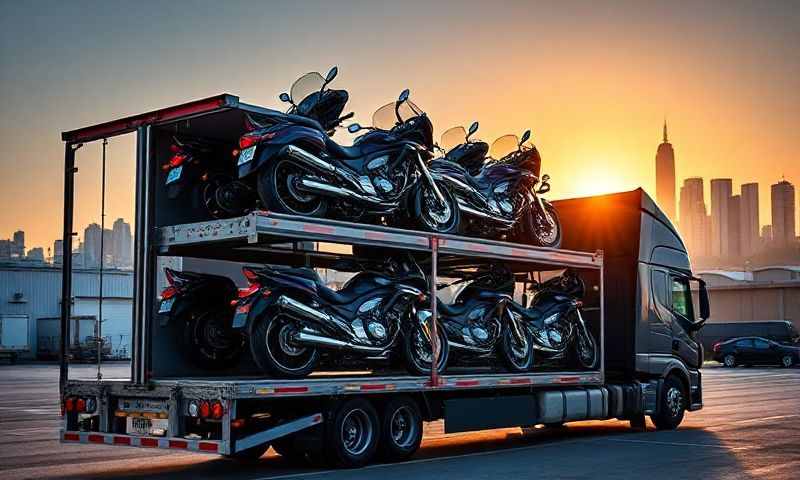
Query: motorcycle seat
x,y
302,272
342,152
339,297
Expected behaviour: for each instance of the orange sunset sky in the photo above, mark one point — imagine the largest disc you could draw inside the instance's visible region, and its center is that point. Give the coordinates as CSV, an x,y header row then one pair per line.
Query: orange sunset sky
x,y
593,80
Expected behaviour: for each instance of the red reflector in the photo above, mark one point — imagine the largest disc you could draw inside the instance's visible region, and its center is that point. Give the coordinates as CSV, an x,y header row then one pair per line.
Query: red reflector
x,y
246,292
94,438
177,160
69,404
467,383
122,440
207,447
72,437
243,308
80,405
178,444
205,409
518,381
148,442
250,275
291,389
169,292
217,410
238,423
371,387
248,141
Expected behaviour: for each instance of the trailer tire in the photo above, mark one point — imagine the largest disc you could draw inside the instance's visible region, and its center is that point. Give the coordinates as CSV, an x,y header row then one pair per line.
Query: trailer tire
x,y
672,403
351,437
251,455
401,429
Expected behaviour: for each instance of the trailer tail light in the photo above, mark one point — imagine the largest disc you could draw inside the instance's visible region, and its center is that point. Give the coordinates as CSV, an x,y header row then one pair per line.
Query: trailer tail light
x,y
217,410
169,292
250,275
205,409
80,405
247,141
69,405
177,160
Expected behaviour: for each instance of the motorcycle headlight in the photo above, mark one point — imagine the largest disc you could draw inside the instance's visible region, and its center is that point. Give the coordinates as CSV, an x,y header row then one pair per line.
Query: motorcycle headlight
x,y
552,318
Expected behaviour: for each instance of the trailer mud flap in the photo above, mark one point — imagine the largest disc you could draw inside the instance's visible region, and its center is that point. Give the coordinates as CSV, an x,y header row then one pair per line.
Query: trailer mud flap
x,y
467,414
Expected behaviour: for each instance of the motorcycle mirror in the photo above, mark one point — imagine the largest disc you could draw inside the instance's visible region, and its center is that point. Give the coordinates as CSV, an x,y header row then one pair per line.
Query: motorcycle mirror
x,y
403,96
285,97
472,129
354,127
331,74
525,137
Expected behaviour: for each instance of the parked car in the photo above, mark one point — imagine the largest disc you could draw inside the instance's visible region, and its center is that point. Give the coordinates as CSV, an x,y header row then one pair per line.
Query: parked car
x,y
755,351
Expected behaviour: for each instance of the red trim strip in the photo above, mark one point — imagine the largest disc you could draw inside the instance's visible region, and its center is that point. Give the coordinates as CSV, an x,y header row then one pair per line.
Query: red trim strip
x,y
291,389
207,447
122,440
372,387
72,437
178,444
318,229
95,438
148,442
375,235
467,383
519,381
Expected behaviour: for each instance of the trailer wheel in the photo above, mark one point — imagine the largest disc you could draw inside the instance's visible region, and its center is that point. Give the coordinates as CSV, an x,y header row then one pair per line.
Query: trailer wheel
x,y
401,429
351,438
673,404
251,455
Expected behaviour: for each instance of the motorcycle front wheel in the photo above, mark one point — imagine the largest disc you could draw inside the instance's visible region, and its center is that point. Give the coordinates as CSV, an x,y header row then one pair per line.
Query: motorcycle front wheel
x,y
432,215
418,353
274,351
209,342
541,229
278,191
518,357
586,354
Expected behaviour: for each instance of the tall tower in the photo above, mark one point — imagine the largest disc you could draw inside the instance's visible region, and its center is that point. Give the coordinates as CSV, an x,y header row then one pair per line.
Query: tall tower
x,y
721,190
665,176
693,217
783,227
748,221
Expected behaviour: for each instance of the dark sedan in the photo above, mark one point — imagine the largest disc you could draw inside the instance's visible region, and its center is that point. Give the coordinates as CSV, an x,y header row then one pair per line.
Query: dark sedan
x,y
755,351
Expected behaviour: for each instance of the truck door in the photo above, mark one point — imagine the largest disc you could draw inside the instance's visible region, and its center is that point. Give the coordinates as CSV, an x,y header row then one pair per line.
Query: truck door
x,y
683,343
660,316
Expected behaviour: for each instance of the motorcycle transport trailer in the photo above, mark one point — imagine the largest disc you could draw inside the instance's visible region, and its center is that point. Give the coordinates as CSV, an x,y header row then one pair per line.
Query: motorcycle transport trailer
x,y
171,404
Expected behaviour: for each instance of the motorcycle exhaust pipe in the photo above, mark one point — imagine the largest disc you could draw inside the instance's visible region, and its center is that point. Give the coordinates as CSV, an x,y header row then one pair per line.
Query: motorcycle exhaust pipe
x,y
297,153
301,309
311,339
322,188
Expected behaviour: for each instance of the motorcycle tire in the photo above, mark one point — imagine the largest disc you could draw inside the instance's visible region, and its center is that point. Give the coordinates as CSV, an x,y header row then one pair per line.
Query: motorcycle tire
x,y
277,193
583,362
427,219
531,233
207,340
273,354
513,361
417,365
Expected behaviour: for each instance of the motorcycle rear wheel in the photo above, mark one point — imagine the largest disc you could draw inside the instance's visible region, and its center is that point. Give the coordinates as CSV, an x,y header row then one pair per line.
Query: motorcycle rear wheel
x,y
273,352
208,342
532,233
276,188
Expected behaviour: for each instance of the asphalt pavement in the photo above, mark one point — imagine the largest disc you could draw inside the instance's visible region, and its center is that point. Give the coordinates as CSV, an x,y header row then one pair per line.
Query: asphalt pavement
x,y
747,430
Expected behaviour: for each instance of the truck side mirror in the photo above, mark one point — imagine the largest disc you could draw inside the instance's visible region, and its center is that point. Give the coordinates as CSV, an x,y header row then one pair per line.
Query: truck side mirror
x,y
705,310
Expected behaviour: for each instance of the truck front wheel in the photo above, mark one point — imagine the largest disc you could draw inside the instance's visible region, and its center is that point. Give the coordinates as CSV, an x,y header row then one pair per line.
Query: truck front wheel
x,y
672,405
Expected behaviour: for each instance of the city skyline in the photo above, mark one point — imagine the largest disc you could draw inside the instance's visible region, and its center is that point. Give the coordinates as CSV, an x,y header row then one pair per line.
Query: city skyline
x,y
723,75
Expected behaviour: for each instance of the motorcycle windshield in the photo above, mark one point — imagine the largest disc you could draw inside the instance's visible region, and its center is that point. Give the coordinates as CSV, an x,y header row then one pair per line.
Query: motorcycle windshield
x,y
384,118
306,85
503,146
453,138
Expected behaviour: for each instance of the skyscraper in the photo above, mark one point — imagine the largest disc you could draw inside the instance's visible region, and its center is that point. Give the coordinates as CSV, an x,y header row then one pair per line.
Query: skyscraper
x,y
665,177
122,244
91,246
721,189
693,217
734,228
749,242
783,227
18,244
58,252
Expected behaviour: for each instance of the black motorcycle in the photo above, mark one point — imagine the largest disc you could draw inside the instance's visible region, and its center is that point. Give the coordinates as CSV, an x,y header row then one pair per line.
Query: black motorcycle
x,y
555,321
382,177
499,196
293,316
480,326
201,304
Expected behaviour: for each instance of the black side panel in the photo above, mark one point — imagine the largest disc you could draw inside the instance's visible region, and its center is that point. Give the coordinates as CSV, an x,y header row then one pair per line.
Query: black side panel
x,y
466,414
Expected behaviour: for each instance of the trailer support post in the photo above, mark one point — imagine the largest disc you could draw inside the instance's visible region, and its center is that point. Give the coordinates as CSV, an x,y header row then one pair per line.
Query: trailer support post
x,y
434,316
66,260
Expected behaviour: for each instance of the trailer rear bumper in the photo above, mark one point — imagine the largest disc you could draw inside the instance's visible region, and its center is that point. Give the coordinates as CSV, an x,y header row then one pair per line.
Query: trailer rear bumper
x,y
181,444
